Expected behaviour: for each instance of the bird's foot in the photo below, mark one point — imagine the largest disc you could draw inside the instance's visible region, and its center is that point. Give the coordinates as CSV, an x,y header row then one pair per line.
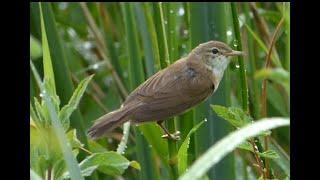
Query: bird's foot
x,y
175,136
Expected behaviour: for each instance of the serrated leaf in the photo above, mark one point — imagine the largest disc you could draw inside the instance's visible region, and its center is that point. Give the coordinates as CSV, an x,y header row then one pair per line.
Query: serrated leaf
x,y
110,163
235,116
219,150
183,150
67,110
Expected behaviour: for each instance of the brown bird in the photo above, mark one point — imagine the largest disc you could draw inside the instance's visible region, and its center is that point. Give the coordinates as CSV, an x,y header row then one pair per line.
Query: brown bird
x,y
171,91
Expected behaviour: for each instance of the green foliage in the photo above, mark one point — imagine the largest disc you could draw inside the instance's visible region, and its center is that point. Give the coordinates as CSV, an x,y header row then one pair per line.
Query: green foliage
x,y
139,39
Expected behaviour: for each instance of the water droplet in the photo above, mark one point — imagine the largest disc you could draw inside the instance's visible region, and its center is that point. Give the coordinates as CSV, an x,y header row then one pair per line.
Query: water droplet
x,y
150,146
87,45
95,66
185,32
181,12
41,95
235,43
229,33
171,11
183,46
165,22
122,152
205,120
237,66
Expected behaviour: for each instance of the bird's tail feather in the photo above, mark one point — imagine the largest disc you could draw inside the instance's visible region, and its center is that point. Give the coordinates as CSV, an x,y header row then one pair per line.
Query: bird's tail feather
x,y
108,122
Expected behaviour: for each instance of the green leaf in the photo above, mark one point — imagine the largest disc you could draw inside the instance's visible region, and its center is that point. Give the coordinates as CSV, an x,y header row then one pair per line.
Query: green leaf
x,y
110,163
235,116
67,110
135,165
269,154
47,64
183,150
219,150
35,48
84,172
34,175
73,140
266,154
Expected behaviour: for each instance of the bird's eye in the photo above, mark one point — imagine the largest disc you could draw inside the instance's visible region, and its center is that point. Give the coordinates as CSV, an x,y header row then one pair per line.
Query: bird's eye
x,y
215,50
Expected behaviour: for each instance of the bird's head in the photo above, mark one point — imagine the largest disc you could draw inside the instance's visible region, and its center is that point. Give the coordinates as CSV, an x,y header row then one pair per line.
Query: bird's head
x,y
215,55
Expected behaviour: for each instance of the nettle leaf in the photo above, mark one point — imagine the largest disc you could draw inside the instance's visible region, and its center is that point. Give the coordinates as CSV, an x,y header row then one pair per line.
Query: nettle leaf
x,y
110,163
73,140
267,154
67,110
183,150
235,116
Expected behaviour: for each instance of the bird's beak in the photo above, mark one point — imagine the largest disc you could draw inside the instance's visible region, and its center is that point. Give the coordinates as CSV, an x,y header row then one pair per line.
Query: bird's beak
x,y
234,53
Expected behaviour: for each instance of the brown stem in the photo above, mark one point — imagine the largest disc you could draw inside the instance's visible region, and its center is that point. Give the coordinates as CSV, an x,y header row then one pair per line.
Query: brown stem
x,y
102,47
49,173
264,86
258,159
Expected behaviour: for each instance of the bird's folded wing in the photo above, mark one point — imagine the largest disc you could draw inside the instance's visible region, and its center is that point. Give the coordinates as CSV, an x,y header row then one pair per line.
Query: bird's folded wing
x,y
177,85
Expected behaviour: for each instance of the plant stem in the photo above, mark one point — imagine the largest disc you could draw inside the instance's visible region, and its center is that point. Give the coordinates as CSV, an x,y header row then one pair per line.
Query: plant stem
x,y
101,47
264,88
243,79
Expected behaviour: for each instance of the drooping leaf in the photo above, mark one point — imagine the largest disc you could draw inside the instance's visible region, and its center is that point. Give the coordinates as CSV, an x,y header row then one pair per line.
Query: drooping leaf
x,y
219,150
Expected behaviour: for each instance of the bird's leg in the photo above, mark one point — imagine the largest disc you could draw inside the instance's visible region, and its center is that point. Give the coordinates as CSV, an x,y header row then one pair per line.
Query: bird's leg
x,y
175,136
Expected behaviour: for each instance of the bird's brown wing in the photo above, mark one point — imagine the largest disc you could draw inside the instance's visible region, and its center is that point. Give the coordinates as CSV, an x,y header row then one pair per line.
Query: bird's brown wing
x,y
170,91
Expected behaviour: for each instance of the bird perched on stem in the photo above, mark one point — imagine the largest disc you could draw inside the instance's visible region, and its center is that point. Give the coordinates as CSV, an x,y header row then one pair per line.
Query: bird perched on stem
x,y
171,91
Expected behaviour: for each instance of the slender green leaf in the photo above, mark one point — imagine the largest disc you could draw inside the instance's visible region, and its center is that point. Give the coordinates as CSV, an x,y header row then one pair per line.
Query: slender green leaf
x,y
183,150
68,109
215,153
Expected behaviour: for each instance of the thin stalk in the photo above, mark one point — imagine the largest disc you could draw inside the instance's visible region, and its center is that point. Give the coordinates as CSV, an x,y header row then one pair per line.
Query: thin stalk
x,y
171,48
251,59
264,88
243,80
101,48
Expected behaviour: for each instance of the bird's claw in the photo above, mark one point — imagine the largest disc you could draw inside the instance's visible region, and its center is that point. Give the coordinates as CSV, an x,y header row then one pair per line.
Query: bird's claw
x,y
175,136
